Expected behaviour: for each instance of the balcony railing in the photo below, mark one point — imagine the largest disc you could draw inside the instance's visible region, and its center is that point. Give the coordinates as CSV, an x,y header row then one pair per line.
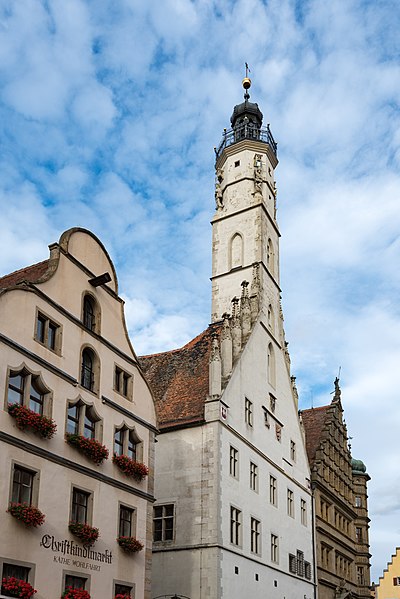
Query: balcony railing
x,y
246,131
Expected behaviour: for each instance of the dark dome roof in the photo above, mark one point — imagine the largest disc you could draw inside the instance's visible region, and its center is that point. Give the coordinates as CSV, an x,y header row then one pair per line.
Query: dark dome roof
x,y
358,466
249,109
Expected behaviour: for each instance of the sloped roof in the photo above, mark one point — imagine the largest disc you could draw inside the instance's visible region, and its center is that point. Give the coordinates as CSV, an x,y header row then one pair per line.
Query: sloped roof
x,y
314,421
29,273
179,380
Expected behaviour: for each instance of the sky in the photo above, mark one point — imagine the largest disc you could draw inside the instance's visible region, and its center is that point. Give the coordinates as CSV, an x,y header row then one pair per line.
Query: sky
x,y
109,112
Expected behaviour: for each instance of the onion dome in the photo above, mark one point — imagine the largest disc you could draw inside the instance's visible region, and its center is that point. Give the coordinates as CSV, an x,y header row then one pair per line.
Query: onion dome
x,y
358,467
246,112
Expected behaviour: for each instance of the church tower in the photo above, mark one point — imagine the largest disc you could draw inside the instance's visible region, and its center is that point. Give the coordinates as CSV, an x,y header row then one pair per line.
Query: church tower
x,y
245,231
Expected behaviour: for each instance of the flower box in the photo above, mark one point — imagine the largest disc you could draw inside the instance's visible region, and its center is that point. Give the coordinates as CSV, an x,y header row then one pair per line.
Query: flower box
x,y
121,596
130,467
91,448
71,593
86,533
24,417
14,587
28,514
130,544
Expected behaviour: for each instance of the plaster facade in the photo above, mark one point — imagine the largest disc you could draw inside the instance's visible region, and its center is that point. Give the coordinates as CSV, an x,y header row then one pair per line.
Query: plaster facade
x,y
388,586
44,332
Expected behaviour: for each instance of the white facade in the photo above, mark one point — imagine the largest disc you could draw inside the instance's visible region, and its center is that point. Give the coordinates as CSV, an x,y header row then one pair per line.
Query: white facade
x,y
239,480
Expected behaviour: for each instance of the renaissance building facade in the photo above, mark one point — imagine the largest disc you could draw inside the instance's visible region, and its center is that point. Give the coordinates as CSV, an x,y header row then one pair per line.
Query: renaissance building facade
x,y
77,429
233,515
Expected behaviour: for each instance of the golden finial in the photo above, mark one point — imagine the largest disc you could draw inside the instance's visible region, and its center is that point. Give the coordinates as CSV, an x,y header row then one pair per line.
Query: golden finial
x,y
246,81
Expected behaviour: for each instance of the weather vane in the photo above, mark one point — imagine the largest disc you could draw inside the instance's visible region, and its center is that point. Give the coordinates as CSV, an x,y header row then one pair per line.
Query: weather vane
x,y
247,69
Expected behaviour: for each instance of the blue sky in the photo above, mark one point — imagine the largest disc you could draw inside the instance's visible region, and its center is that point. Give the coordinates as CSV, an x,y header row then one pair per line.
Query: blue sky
x,y
109,115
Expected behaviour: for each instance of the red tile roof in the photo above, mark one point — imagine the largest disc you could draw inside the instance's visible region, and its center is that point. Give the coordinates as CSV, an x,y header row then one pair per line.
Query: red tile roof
x,y
314,422
179,380
29,273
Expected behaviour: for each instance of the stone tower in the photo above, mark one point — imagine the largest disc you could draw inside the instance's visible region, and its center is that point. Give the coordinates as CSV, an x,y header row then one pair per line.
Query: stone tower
x,y
245,231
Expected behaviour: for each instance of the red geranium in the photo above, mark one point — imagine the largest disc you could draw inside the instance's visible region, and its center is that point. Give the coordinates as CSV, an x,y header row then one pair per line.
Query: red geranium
x,y
71,593
121,596
91,448
14,587
30,515
130,544
45,427
86,533
130,467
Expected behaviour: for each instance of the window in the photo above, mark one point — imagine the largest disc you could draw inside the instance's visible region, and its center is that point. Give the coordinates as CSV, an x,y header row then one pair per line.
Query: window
x,y
126,521
22,485
396,581
290,504
272,402
253,477
274,549
236,523
325,556
292,451
126,442
87,369
27,389
74,582
122,382
14,571
91,313
80,506
82,419
300,563
248,412
236,251
292,564
359,535
303,512
358,501
360,575
233,462
163,522
307,570
271,365
123,589
255,526
278,432
271,319
48,332
273,492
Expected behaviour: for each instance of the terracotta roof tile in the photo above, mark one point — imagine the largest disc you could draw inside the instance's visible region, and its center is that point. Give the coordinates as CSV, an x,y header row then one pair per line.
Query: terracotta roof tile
x,y
314,422
179,380
29,273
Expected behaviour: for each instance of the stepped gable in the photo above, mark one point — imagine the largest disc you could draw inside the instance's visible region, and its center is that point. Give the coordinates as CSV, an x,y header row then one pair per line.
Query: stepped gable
x,y
314,421
31,274
180,380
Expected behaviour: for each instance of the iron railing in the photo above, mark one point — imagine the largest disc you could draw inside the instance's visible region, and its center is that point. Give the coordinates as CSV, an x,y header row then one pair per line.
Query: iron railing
x,y
246,131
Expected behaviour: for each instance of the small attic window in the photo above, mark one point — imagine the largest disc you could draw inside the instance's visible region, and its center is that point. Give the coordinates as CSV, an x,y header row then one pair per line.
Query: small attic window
x,y
237,163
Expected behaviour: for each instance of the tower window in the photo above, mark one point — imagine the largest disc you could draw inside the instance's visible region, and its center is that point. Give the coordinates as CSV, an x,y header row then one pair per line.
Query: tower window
x,y
248,412
271,365
234,462
237,163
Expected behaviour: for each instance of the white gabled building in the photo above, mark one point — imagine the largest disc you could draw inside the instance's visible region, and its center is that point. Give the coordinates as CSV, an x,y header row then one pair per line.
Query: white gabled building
x,y
233,512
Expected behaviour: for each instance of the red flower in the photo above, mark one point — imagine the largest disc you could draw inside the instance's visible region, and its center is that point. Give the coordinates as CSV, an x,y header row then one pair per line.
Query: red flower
x,y
130,544
121,596
71,593
91,448
86,533
28,514
130,467
14,587
45,427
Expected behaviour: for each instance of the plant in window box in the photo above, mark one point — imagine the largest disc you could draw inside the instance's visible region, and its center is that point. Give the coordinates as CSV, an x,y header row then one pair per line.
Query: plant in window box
x,y
121,596
24,417
91,448
130,544
71,593
130,467
14,587
28,514
86,533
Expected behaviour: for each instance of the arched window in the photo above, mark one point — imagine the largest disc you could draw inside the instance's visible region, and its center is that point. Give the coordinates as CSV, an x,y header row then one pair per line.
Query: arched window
x,y
270,257
91,313
271,365
236,251
127,442
28,389
90,370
